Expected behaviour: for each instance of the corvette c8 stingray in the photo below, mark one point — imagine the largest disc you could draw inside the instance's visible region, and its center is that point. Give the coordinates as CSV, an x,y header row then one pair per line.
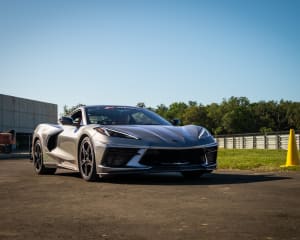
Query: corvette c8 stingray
x,y
104,139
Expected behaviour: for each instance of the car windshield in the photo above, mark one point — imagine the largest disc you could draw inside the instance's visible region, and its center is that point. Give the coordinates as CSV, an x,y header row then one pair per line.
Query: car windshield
x,y
116,115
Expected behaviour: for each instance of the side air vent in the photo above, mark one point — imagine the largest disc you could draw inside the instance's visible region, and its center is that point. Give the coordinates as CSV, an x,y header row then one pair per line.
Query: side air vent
x,y
52,142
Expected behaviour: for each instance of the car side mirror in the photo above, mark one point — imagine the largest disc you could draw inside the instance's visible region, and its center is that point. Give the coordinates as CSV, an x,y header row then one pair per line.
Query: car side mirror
x,y
66,121
176,122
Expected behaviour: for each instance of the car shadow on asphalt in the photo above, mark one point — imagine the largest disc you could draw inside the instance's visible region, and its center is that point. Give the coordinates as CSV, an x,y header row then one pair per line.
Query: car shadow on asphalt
x,y
177,179
208,179
67,173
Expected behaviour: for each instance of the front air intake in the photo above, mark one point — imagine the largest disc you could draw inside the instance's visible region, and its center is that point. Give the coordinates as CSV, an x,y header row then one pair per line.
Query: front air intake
x,y
118,157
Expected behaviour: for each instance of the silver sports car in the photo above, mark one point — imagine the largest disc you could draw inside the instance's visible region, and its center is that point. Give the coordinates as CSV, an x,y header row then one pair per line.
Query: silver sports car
x,y
100,140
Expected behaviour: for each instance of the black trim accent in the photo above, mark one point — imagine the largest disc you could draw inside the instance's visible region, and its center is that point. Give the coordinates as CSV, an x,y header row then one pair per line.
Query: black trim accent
x,y
178,157
118,157
52,142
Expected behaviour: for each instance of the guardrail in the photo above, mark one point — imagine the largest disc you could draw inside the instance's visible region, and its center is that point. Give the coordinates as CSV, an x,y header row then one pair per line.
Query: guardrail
x,y
274,140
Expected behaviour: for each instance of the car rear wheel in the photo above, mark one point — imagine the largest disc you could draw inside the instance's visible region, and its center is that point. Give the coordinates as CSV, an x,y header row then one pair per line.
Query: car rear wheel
x,y
86,160
38,161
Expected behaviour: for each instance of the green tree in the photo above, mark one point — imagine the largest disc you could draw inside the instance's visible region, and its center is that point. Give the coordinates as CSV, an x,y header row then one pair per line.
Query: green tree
x,y
196,115
233,115
293,113
69,110
238,117
162,110
214,115
264,116
176,110
288,115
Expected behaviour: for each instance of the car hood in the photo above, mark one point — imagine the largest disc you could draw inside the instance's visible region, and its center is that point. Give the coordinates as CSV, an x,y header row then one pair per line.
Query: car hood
x,y
163,136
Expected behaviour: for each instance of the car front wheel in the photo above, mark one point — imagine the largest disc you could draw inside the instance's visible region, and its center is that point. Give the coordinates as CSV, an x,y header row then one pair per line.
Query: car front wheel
x,y
38,161
86,160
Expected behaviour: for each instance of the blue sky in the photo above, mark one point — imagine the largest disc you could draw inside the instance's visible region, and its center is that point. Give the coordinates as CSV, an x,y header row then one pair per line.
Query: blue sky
x,y
156,51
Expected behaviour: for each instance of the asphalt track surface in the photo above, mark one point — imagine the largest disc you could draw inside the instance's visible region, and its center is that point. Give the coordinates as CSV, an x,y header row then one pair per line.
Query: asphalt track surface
x,y
223,205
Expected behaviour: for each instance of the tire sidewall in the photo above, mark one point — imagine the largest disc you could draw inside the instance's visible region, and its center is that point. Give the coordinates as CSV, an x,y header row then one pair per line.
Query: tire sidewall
x,y
92,175
38,171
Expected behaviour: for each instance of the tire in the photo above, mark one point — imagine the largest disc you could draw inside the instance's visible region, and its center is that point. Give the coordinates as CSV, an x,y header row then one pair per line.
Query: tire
x,y
192,174
86,160
38,161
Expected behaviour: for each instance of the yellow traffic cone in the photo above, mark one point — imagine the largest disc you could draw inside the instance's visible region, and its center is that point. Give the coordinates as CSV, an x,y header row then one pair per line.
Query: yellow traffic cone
x,y
292,157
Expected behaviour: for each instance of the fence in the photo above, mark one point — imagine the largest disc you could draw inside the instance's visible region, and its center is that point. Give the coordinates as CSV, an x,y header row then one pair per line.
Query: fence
x,y
256,141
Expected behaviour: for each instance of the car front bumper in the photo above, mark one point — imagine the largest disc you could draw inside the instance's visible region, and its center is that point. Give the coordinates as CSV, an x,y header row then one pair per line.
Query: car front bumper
x,y
119,160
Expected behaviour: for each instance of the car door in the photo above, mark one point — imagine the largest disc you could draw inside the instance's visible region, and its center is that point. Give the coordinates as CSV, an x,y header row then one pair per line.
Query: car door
x,y
67,142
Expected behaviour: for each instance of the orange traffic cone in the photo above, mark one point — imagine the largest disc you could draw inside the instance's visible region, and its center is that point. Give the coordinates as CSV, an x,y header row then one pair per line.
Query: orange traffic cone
x,y
292,157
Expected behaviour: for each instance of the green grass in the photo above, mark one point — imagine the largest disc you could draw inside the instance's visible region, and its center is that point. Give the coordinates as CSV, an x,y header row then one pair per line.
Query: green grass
x,y
253,159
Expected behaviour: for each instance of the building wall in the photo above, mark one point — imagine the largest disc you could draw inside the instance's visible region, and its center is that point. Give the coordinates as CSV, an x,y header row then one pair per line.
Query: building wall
x,y
23,115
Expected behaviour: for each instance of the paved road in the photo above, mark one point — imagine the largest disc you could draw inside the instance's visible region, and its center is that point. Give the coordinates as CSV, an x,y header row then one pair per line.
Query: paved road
x,y
224,205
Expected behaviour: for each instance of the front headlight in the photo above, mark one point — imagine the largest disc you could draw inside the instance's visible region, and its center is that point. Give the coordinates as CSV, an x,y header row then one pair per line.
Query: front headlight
x,y
205,137
114,133
204,133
